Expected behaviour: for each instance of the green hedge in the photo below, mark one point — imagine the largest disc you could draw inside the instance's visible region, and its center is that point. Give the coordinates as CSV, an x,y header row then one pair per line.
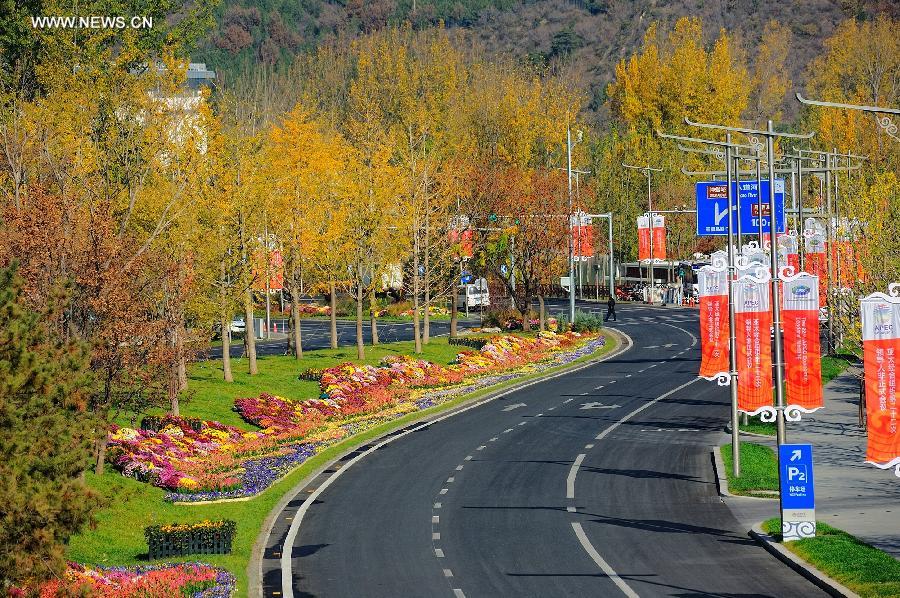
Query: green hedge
x,y
178,539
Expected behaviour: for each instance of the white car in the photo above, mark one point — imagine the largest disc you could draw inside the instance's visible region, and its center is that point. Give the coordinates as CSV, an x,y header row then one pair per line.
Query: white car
x,y
238,325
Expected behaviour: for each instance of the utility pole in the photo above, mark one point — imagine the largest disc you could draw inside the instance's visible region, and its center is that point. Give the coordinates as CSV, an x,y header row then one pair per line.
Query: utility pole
x,y
648,172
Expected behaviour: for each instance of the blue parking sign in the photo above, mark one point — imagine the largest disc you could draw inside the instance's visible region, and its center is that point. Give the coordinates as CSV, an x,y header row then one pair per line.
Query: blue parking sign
x,y
796,465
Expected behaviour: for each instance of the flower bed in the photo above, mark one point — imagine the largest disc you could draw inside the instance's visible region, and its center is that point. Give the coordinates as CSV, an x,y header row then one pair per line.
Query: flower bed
x,y
219,462
195,580
204,537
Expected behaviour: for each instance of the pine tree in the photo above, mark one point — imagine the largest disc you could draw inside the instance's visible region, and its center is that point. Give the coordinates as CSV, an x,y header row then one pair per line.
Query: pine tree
x,y
45,439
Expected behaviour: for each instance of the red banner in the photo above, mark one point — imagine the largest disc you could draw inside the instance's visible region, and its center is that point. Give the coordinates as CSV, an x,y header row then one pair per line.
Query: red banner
x,y
753,322
583,236
788,252
643,224
881,348
802,351
713,322
464,239
275,271
659,237
816,264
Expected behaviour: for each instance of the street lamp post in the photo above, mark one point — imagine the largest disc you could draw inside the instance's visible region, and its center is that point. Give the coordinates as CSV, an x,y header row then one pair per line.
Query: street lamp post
x,y
648,172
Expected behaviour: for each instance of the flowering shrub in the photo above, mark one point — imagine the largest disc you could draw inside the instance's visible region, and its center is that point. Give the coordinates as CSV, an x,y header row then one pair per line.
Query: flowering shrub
x,y
313,309
195,580
219,461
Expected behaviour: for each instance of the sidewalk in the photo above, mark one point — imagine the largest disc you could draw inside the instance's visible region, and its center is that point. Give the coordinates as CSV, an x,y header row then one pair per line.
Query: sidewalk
x,y
851,495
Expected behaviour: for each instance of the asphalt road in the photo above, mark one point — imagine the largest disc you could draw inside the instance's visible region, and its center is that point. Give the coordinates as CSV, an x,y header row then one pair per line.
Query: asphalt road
x,y
317,335
594,483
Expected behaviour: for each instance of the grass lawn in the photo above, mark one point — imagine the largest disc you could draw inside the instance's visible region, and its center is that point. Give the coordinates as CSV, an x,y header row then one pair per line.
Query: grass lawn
x,y
759,470
859,566
831,369
118,537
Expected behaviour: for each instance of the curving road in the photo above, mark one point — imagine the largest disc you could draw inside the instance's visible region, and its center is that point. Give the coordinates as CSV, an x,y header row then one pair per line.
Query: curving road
x,y
594,483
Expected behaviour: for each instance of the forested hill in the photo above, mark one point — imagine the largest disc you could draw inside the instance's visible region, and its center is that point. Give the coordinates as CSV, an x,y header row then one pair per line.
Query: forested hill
x,y
593,33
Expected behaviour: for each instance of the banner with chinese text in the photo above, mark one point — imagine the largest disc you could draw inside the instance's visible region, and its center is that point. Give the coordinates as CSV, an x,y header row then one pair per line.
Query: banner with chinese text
x,y
802,351
753,322
881,348
713,322
643,223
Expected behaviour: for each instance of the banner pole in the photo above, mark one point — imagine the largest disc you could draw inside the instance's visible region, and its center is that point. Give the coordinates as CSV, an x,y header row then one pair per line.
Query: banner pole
x,y
732,345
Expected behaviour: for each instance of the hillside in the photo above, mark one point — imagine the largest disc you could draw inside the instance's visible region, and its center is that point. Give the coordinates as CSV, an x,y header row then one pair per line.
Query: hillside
x,y
592,34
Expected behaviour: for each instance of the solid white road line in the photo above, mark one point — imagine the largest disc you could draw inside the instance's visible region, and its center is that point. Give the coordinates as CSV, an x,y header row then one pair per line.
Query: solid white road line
x,y
604,566
573,471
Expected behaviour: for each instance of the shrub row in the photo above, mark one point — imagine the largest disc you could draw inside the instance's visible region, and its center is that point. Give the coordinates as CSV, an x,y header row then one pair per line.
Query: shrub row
x,y
475,343
155,423
311,374
177,539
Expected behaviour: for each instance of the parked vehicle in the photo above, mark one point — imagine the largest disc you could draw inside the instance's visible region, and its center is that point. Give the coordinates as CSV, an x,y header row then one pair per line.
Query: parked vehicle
x,y
238,325
474,295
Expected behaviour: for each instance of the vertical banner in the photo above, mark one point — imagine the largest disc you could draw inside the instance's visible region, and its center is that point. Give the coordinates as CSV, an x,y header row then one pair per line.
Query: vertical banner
x,y
816,263
274,269
584,240
462,238
753,321
659,237
881,348
788,254
643,223
713,322
802,351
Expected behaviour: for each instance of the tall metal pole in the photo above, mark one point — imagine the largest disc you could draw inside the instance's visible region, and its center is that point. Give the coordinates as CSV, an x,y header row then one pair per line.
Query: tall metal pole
x,y
759,202
829,249
737,206
571,229
612,280
650,205
732,344
776,289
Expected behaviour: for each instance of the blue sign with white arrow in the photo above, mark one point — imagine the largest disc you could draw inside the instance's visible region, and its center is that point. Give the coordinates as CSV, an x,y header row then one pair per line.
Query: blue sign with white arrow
x,y
712,207
796,465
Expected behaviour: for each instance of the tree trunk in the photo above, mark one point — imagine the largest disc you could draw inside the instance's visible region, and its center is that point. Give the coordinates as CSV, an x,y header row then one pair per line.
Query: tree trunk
x,y
295,320
174,382
182,359
426,328
333,304
225,321
454,311
543,315
373,320
226,347
250,332
360,346
526,322
416,335
101,454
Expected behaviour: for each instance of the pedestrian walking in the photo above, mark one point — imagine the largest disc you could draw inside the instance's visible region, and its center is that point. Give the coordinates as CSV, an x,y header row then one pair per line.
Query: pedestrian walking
x,y
610,309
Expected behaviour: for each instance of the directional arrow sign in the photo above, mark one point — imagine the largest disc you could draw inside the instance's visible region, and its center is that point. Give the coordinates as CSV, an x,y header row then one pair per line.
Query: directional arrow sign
x,y
719,216
797,455
596,405
515,406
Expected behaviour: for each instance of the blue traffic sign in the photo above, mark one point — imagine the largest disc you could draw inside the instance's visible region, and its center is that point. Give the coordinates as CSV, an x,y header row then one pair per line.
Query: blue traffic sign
x,y
466,278
795,461
712,207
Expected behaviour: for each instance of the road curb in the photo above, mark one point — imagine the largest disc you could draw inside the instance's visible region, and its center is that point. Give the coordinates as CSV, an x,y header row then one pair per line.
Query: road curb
x,y
254,567
722,478
829,585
